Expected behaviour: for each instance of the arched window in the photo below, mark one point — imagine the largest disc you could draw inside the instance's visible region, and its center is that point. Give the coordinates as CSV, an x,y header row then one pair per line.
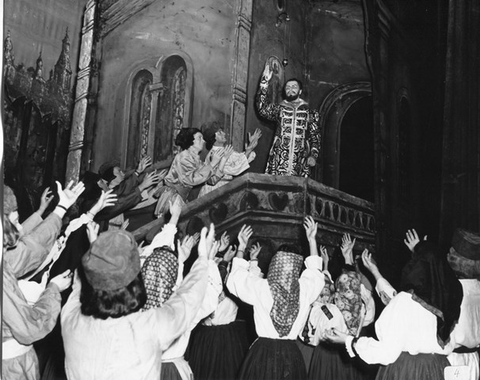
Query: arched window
x,y
171,107
159,107
139,120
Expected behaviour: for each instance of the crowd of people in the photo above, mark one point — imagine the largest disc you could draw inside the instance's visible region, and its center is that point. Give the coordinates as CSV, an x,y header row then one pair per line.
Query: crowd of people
x,y
83,299
126,310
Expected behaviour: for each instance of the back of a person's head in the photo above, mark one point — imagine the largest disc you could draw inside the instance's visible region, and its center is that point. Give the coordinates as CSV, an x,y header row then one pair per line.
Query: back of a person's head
x,y
112,283
106,170
185,137
286,260
159,273
464,251
209,130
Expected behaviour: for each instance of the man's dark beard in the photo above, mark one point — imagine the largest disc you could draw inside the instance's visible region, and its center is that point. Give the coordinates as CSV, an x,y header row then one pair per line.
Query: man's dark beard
x,y
291,98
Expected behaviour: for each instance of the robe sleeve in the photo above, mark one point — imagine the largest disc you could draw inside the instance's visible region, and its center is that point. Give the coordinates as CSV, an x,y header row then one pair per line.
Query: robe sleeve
x,y
29,323
177,314
32,249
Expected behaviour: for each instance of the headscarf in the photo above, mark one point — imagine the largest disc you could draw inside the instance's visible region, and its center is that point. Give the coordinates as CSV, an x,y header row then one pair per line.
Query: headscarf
x,y
282,277
433,284
159,273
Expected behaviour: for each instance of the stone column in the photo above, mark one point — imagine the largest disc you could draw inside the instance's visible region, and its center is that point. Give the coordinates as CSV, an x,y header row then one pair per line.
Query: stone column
x,y
81,95
240,73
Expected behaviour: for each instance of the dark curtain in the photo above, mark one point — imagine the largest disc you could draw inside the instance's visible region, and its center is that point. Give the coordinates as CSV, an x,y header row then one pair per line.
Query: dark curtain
x,y
461,154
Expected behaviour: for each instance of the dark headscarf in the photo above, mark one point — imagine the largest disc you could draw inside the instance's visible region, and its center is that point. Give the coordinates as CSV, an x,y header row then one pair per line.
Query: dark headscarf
x,y
434,285
282,277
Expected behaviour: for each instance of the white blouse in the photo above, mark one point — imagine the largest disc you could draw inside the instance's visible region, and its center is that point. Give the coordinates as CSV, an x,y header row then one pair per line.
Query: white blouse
x,y
404,325
255,291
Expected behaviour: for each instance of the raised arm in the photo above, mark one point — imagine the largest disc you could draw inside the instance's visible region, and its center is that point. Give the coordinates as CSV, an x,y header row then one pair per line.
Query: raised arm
x,y
311,231
269,111
383,288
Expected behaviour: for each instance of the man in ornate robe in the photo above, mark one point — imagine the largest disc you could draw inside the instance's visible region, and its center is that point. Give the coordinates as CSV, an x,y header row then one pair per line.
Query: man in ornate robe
x,y
296,144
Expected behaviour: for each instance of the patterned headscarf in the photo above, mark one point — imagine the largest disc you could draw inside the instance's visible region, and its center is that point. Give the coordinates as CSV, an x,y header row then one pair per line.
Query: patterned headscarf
x,y
159,273
282,277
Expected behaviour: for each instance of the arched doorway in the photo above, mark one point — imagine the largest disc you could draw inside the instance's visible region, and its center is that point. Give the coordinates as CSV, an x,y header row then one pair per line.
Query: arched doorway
x,y
346,124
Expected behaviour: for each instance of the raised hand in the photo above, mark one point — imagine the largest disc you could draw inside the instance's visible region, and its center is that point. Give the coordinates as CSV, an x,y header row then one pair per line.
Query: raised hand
x,y
227,152
106,199
310,228
144,163
412,239
63,280
185,247
325,257
45,200
224,242
244,235
213,252
162,174
254,251
255,136
216,156
267,73
92,231
150,179
175,206
230,254
368,261
70,194
347,248
207,237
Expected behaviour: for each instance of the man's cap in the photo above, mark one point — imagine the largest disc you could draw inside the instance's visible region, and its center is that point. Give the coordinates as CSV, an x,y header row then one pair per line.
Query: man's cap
x,y
112,262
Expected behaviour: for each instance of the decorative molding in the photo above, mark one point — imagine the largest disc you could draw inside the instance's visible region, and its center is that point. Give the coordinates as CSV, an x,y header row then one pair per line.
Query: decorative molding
x,y
240,73
275,207
77,135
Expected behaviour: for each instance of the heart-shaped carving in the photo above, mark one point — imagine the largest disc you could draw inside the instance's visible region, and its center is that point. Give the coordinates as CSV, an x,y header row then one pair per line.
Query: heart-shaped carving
x,y
319,206
278,202
249,200
218,214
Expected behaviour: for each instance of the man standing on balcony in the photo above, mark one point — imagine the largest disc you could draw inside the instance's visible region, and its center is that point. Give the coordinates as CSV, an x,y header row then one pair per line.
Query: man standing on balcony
x,y
296,144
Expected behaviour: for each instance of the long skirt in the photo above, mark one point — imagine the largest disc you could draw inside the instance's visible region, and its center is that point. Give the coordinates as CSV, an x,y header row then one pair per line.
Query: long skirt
x,y
169,371
217,352
273,359
332,362
414,367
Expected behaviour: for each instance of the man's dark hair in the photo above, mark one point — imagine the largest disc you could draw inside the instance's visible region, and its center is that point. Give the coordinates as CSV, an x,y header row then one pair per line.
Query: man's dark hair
x,y
117,303
108,174
300,84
